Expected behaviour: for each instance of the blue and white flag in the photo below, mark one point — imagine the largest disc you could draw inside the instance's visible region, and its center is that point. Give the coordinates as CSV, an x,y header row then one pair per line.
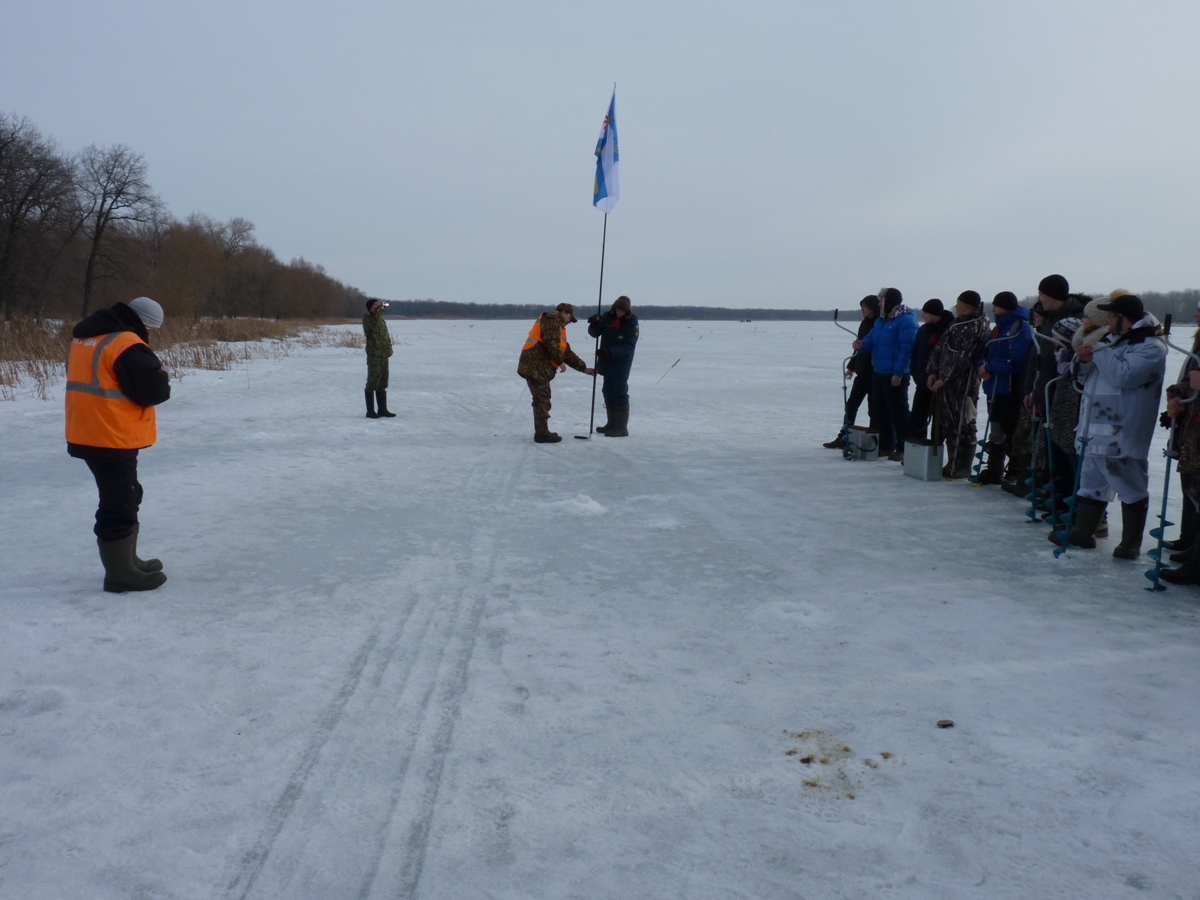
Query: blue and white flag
x,y
607,189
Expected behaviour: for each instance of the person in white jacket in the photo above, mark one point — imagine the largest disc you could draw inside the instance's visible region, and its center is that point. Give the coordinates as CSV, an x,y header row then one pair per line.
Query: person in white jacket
x,y
1122,382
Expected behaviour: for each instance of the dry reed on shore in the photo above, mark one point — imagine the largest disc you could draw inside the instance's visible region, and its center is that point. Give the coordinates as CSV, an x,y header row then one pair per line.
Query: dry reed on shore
x,y
33,353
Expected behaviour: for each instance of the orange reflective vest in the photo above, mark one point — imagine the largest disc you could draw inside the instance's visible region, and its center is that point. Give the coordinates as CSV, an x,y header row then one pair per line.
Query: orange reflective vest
x,y
98,414
535,337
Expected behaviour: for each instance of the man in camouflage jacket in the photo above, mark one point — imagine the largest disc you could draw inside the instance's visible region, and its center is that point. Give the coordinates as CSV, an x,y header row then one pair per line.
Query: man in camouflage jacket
x,y
545,354
954,379
379,348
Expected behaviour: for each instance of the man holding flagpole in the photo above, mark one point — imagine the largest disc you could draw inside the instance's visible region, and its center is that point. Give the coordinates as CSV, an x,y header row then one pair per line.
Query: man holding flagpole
x,y
606,190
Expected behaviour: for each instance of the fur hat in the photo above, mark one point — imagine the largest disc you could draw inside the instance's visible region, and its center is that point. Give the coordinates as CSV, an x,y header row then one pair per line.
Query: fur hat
x,y
148,311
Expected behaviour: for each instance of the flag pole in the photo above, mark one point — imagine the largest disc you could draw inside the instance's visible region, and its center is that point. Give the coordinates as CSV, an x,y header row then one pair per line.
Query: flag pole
x,y
599,304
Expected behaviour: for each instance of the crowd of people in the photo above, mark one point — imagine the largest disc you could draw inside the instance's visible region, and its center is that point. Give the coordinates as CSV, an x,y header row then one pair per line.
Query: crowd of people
x,y
1072,389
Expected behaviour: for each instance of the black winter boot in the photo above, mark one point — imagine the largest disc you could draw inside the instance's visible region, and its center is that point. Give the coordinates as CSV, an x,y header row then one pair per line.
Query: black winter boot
x,y
381,396
1188,571
608,419
620,422
993,473
371,414
146,565
1087,517
1133,526
120,574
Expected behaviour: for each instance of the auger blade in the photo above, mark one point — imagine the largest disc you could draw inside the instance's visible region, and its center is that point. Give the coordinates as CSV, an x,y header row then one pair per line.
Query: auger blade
x,y
1155,554
1155,584
1157,533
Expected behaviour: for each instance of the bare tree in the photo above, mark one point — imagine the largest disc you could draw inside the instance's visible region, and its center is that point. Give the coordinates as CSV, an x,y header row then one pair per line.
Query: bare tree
x,y
113,194
37,209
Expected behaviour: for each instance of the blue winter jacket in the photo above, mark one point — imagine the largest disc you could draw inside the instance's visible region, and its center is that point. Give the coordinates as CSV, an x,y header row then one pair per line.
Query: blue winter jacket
x,y
620,336
890,342
1005,352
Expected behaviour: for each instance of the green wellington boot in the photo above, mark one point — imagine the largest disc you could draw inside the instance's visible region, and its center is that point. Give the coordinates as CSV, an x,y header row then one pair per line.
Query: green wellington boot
x,y
120,574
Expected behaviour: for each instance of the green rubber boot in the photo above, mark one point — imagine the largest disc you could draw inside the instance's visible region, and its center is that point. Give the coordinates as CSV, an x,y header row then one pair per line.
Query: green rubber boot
x,y
146,565
120,574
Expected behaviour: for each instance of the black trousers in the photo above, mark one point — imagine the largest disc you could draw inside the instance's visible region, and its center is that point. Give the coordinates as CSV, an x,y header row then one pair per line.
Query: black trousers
x,y
120,497
891,402
860,389
1005,410
922,408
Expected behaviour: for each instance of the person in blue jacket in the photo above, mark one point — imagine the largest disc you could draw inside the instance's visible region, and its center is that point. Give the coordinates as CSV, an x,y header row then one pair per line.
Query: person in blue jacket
x,y
618,333
890,344
1000,370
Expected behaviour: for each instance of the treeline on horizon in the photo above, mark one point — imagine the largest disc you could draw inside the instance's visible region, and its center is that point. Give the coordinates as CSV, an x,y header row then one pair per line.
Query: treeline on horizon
x,y
1180,304
81,231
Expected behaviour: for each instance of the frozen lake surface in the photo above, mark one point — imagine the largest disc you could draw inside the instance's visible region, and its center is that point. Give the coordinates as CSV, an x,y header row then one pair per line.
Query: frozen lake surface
x,y
425,657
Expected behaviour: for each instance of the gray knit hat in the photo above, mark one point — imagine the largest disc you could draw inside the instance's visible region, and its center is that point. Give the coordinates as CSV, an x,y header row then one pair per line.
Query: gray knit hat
x,y
148,311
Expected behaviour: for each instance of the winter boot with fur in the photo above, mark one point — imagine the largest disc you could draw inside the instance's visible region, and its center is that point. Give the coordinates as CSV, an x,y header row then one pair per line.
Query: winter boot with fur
x,y
608,420
1133,526
620,422
146,565
371,414
1087,517
542,433
120,573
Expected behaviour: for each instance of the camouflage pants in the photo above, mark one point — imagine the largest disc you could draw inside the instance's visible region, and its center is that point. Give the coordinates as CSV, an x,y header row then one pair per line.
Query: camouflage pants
x,y
957,423
541,398
377,373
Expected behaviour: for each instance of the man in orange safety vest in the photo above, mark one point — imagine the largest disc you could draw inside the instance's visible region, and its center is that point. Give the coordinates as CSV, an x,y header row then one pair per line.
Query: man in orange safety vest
x,y
546,352
114,381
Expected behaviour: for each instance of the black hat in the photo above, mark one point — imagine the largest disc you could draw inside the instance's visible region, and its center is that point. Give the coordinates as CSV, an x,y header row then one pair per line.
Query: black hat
x,y
371,301
891,298
971,298
1126,305
1054,286
871,302
933,306
1005,300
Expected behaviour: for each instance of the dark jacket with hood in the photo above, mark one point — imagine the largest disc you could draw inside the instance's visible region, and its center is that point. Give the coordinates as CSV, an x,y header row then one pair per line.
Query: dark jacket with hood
x,y
139,372
619,337
926,339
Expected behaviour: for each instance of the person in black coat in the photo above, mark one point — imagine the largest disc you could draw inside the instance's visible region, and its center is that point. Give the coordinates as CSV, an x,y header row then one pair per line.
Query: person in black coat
x,y
618,333
936,320
863,372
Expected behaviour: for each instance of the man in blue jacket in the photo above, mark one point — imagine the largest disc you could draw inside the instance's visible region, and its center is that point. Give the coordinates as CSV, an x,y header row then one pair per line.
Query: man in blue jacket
x,y
890,343
1000,372
618,332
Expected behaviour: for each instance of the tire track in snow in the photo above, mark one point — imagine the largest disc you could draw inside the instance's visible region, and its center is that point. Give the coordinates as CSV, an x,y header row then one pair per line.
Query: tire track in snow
x,y
256,858
336,824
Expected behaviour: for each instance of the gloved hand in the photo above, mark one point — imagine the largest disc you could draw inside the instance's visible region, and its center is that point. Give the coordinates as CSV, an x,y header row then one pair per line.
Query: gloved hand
x,y
603,353
594,318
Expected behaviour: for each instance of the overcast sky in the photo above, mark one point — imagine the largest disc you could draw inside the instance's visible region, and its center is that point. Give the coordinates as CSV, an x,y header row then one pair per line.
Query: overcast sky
x,y
772,154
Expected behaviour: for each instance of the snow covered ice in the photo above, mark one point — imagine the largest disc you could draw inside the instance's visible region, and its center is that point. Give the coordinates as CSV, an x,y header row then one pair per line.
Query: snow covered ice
x,y
426,657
